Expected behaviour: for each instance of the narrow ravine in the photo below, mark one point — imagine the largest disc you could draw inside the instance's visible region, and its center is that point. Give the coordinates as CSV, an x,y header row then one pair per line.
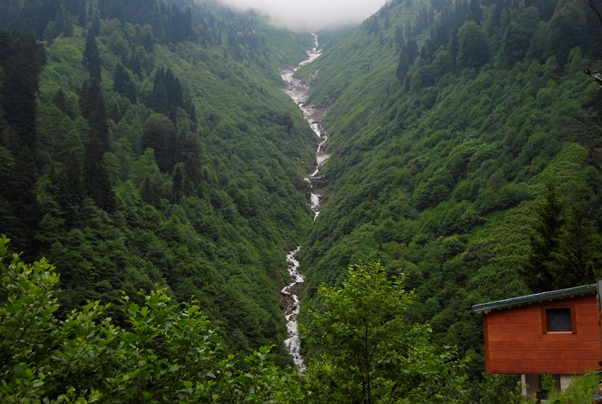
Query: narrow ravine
x,y
299,92
292,309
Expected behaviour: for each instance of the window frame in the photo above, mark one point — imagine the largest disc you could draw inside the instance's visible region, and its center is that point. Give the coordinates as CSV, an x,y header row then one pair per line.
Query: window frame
x,y
544,318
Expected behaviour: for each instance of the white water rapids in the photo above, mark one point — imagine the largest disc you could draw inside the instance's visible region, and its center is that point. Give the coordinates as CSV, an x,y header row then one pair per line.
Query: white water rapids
x,y
299,92
293,342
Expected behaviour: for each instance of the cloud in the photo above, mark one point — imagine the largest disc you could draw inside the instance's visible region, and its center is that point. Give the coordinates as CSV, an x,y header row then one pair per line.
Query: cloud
x,y
312,14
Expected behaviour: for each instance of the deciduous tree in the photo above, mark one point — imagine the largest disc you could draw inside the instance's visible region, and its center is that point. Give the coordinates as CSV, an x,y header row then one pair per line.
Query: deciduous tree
x,y
370,353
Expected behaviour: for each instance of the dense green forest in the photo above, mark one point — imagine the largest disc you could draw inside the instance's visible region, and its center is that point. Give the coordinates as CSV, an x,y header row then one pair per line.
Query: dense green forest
x,y
148,153
149,143
465,142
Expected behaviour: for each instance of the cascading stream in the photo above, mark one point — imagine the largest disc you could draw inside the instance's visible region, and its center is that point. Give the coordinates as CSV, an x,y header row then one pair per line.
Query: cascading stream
x,y
293,342
299,92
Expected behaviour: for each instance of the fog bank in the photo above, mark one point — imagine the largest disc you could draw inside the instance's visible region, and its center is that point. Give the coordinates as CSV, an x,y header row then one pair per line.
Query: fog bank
x,y
312,14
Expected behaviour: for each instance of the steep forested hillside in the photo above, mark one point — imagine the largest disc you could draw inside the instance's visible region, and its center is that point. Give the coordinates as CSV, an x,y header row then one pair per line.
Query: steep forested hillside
x,y
148,152
465,142
149,143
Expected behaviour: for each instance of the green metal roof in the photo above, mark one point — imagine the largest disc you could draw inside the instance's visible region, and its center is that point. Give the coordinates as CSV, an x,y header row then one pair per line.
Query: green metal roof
x,y
537,297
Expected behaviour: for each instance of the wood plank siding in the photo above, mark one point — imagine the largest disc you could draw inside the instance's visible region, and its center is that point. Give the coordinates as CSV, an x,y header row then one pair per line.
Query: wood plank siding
x,y
517,340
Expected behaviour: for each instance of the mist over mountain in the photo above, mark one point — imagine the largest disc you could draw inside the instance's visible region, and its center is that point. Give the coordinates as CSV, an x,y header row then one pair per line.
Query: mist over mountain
x,y
312,14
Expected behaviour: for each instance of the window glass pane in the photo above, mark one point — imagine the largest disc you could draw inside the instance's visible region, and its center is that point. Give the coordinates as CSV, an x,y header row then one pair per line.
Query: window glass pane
x,y
559,319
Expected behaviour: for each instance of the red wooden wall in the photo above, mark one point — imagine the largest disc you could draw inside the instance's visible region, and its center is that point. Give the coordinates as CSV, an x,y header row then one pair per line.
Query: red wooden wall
x,y
516,340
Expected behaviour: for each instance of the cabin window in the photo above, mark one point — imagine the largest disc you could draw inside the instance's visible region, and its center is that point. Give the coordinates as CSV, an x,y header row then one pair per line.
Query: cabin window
x,y
559,319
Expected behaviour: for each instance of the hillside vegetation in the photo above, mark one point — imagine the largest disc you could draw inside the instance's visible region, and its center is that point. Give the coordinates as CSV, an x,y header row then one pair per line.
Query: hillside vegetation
x,y
147,143
457,130
148,152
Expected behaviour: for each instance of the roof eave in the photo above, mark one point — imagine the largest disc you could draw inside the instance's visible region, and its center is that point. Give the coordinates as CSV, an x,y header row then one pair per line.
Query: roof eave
x,y
535,298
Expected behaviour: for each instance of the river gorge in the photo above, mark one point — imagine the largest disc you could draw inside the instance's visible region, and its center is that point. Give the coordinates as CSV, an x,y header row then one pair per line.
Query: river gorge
x,y
299,93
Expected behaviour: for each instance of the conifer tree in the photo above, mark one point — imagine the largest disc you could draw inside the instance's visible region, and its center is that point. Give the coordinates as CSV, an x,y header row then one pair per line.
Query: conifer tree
x,y
173,116
537,273
473,49
193,160
565,246
453,50
134,65
96,177
81,13
578,259
94,110
73,192
60,101
123,84
160,98
407,56
399,39
566,32
68,27
95,23
92,57
18,192
151,192
475,11
20,90
176,184
159,134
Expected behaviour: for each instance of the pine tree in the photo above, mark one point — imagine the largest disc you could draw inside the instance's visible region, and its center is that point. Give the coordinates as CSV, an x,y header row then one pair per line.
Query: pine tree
x,y
73,191
123,84
192,155
134,65
151,192
475,11
399,39
159,134
18,192
578,258
92,105
95,23
176,184
160,97
60,101
20,91
175,96
407,56
92,57
96,177
473,49
538,271
173,116
68,27
82,16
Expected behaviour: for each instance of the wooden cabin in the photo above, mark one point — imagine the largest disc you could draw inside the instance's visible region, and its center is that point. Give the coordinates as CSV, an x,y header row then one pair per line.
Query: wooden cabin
x,y
553,333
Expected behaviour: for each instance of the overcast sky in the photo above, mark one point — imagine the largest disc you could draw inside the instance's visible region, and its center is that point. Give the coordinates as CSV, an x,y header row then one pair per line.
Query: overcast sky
x,y
313,14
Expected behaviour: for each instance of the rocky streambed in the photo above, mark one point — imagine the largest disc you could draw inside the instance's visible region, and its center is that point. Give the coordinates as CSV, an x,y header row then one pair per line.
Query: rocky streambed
x,y
299,92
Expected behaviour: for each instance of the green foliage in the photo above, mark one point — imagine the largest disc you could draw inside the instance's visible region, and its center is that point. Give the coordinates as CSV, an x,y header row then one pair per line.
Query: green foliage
x,y
96,177
564,248
581,390
500,389
369,353
209,212
91,57
166,352
157,134
473,50
439,161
